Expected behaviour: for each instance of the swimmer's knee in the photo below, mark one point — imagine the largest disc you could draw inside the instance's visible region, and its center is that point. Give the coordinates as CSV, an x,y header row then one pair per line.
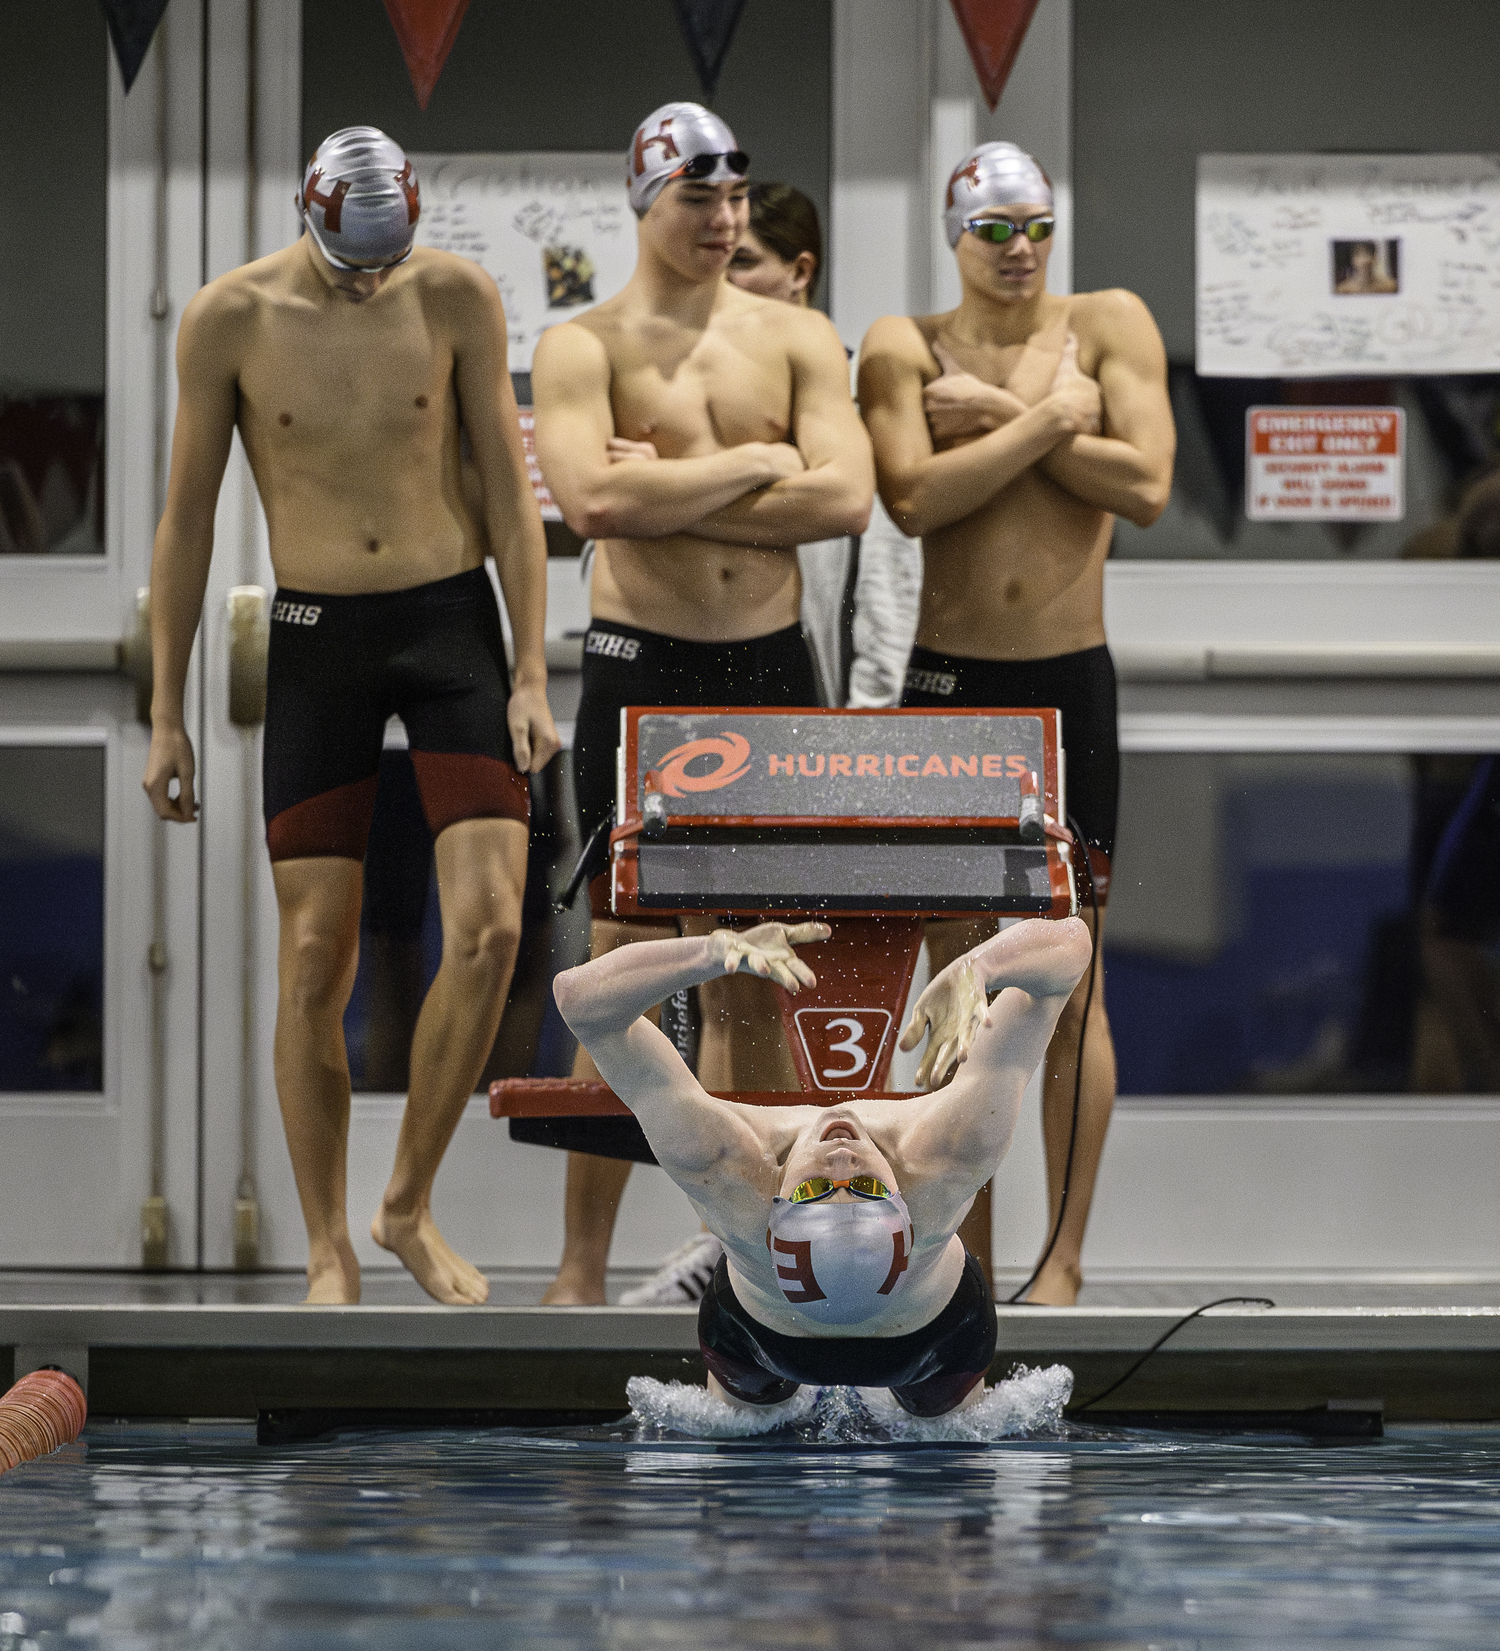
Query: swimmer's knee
x,y
317,968
485,934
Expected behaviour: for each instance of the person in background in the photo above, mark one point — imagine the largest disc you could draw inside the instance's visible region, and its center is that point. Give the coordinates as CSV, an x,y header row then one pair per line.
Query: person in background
x,y
1009,433
698,434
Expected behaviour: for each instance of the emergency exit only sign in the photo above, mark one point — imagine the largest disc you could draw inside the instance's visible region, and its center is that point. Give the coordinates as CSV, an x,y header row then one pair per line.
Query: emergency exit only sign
x,y
1325,464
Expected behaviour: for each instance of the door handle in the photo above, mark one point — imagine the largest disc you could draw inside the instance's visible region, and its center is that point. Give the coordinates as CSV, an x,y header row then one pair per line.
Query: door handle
x,y
249,642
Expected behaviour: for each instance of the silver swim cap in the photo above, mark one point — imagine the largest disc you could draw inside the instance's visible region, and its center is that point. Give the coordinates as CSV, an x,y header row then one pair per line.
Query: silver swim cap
x,y
359,200
994,174
840,1263
667,143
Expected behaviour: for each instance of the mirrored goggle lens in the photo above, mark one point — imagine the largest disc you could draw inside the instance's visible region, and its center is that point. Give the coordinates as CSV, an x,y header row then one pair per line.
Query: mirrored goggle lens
x,y
1001,229
704,166
863,1186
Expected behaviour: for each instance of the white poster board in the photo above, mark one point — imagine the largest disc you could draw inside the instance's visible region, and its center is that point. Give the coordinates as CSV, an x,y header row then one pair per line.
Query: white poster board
x,y
1321,266
555,231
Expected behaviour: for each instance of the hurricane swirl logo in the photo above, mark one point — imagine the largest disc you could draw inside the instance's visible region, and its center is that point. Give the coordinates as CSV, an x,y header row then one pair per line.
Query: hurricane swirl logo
x,y
732,752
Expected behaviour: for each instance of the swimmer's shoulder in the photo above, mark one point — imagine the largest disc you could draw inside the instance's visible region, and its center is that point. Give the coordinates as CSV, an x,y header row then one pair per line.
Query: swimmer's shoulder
x,y
574,355
223,317
458,287
1111,319
901,344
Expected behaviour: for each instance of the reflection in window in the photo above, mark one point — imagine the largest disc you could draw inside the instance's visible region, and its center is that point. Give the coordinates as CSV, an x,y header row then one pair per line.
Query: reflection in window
x,y
401,939
51,918
54,108
1452,451
1305,924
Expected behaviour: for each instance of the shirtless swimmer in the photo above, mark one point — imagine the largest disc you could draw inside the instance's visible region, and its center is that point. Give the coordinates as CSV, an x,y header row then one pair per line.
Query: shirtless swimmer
x,y
1008,435
349,363
699,434
839,1223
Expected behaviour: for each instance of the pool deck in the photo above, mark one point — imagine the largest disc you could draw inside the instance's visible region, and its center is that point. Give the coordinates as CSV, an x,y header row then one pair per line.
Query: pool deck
x,y
179,1355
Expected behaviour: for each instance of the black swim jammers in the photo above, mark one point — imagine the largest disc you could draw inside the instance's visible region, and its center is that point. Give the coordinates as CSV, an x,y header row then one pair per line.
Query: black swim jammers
x,y
1080,685
340,667
623,665
928,1371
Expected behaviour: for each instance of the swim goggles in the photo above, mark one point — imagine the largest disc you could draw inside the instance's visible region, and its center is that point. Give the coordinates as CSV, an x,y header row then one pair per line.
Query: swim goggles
x,y
1001,229
704,166
819,1186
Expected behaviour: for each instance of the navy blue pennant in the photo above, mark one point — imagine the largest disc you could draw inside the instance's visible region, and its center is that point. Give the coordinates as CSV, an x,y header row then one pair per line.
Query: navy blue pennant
x,y
708,27
132,23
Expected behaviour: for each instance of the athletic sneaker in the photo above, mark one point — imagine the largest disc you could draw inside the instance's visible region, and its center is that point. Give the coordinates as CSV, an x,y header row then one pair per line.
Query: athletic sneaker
x,y
682,1278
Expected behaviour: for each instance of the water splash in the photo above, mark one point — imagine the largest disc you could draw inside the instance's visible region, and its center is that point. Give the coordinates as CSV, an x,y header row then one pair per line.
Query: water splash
x,y
1027,1403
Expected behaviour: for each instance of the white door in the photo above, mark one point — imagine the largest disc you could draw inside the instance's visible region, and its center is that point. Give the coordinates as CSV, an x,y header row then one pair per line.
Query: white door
x,y
99,1026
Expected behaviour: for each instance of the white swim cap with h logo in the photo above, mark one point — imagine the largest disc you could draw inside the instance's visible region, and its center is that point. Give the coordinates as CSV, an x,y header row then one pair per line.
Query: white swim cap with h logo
x,y
359,200
994,174
668,141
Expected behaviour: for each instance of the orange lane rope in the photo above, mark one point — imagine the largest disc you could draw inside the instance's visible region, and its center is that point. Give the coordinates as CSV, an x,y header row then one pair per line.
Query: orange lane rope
x,y
42,1412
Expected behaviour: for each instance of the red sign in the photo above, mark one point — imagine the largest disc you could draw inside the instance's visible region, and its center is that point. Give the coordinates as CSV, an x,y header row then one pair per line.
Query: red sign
x,y
841,1046
1325,464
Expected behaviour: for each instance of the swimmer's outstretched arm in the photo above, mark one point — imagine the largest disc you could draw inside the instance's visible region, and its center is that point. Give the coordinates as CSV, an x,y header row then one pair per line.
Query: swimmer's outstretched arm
x,y
964,1129
605,1002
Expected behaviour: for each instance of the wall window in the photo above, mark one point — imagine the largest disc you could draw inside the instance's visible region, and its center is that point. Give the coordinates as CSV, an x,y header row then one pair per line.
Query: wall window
x,y
51,918
1306,924
54,118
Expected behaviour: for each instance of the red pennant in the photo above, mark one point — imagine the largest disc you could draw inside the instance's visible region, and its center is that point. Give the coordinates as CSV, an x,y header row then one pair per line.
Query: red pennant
x,y
426,30
993,31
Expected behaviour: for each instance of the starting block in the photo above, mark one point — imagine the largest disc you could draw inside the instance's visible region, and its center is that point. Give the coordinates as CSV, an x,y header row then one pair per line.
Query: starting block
x,y
871,821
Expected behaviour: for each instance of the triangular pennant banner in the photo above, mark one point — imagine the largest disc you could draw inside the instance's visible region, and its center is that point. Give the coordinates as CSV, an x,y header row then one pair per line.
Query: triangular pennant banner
x,y
426,30
993,31
708,27
131,26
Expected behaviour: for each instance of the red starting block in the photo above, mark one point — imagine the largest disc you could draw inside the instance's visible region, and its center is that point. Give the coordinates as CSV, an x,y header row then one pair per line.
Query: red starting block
x,y
869,820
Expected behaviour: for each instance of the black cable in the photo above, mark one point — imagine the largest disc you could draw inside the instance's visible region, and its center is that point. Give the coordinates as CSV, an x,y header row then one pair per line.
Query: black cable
x,y
1161,1341
576,881
1083,1026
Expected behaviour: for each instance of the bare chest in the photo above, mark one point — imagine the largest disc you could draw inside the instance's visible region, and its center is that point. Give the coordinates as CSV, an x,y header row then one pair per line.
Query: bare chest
x,y
359,377
719,393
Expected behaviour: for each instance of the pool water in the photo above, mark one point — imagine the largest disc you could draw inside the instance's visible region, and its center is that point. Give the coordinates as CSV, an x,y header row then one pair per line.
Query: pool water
x,y
194,1536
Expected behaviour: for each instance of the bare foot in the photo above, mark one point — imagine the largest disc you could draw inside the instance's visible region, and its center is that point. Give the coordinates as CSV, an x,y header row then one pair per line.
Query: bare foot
x,y
574,1289
425,1254
1058,1286
333,1277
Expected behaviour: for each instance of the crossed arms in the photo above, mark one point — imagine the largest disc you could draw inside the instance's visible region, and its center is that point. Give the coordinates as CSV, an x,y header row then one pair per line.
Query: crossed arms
x,y
756,493
1107,440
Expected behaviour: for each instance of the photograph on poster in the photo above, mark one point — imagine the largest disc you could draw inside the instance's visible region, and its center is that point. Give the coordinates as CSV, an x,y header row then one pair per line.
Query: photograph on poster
x,y
1366,266
1313,266
555,231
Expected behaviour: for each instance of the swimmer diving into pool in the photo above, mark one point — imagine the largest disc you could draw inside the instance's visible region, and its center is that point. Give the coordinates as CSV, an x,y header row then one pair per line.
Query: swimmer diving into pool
x,y
842,1265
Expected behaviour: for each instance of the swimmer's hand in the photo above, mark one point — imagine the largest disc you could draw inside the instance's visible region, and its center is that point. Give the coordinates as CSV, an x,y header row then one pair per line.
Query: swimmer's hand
x,y
950,1011
533,734
766,950
1076,395
171,758
620,451
961,405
